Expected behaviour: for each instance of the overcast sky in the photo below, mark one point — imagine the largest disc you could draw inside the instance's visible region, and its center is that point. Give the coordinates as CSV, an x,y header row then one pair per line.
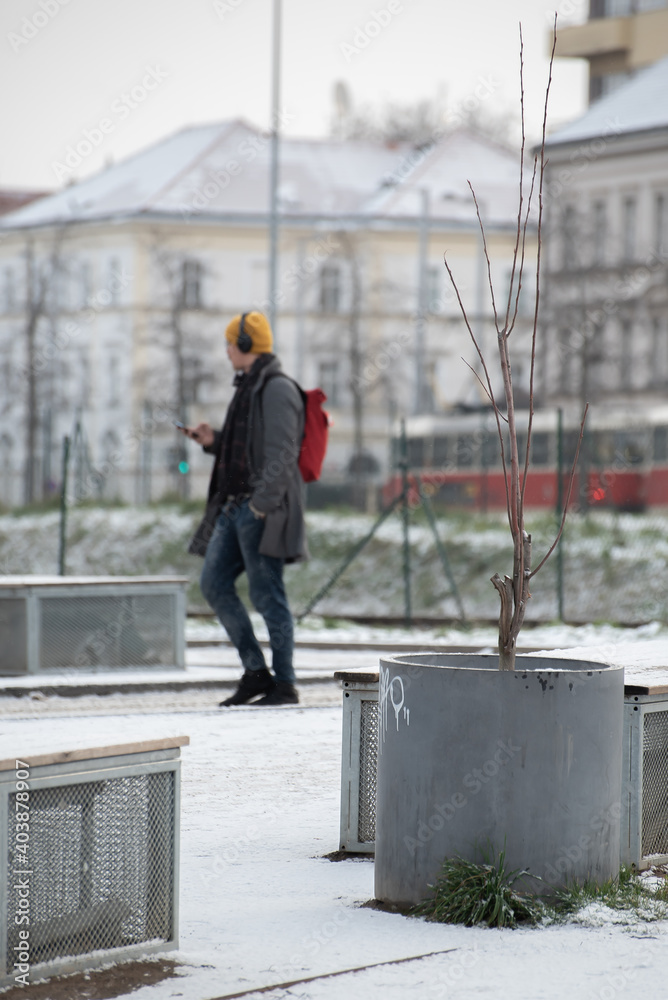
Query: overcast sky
x,y
146,68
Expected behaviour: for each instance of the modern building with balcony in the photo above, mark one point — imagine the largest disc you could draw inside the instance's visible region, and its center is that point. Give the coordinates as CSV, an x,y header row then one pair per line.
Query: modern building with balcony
x,y
619,38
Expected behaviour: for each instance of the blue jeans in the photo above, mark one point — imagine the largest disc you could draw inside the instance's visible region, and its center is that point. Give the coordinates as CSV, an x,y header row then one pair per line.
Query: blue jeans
x,y
234,547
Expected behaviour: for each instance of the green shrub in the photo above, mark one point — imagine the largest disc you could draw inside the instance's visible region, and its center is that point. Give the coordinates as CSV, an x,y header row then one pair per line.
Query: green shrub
x,y
469,893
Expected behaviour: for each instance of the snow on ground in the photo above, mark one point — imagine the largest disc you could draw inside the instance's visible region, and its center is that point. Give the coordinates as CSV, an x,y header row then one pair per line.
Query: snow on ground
x,y
261,905
316,629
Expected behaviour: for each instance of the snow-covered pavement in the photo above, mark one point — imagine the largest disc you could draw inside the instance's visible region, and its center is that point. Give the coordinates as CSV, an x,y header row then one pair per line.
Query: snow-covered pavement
x,y
261,905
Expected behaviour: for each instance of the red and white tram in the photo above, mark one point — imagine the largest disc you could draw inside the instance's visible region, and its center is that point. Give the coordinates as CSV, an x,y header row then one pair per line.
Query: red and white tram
x,y
623,460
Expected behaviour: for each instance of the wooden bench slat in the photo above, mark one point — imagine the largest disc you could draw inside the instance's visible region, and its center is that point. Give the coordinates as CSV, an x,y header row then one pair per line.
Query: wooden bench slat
x,y
93,753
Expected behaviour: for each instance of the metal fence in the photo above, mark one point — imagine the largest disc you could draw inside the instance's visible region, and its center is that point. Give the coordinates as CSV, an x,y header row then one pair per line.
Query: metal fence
x,y
609,566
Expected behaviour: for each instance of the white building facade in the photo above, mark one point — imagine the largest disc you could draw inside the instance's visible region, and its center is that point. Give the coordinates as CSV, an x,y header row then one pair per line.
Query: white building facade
x,y
115,293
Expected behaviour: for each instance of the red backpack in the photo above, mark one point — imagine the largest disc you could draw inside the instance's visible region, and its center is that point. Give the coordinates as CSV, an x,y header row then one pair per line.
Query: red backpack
x,y
316,432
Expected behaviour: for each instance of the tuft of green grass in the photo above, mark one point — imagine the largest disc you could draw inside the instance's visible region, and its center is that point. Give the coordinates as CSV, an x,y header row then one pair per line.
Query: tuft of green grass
x,y
625,892
470,893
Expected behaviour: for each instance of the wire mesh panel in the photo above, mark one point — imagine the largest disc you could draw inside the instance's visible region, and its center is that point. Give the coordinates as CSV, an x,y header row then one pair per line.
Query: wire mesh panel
x,y
655,784
13,635
101,866
61,623
110,631
358,761
366,816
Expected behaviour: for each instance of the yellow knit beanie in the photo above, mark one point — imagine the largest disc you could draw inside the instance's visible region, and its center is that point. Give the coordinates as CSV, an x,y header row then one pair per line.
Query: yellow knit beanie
x,y
256,325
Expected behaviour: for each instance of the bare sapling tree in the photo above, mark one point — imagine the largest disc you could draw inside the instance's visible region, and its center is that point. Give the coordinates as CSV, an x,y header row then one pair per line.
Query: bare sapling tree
x,y
514,591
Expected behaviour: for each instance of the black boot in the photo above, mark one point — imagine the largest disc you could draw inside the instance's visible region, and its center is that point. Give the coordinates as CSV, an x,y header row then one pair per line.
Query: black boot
x,y
252,683
282,693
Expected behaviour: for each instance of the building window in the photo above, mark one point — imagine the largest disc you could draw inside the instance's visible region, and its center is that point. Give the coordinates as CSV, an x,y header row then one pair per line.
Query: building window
x,y
526,303
568,238
626,354
433,290
8,290
658,362
330,288
85,283
191,287
600,233
567,362
114,381
622,8
113,281
596,348
660,223
328,380
601,86
629,229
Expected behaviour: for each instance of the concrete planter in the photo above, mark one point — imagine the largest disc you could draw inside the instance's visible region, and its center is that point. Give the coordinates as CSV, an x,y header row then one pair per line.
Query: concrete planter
x,y
470,756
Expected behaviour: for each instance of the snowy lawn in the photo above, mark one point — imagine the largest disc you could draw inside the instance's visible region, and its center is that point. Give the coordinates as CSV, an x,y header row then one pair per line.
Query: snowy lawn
x,y
614,565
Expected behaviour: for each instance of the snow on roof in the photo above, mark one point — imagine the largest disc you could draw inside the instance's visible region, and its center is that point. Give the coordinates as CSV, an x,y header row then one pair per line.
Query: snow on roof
x,y
636,106
316,176
223,170
444,171
126,188
220,169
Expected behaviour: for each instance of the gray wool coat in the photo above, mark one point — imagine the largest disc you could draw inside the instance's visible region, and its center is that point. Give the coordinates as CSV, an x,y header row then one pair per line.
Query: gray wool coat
x,y
275,430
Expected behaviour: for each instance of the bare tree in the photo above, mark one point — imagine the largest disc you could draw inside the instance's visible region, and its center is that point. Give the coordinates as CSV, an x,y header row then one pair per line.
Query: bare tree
x,y
356,357
418,123
40,284
182,275
514,592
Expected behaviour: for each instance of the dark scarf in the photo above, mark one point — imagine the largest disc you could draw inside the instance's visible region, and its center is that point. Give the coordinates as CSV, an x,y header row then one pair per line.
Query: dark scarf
x,y
233,469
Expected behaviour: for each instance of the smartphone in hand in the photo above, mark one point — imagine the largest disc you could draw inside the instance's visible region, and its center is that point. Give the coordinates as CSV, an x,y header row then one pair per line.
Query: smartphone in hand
x,y
177,423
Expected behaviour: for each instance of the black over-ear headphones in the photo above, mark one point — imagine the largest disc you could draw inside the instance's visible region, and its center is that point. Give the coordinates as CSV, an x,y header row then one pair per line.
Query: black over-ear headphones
x,y
244,340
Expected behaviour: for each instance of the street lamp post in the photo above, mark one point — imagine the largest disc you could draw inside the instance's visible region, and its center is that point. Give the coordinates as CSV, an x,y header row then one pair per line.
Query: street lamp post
x,y
273,179
421,313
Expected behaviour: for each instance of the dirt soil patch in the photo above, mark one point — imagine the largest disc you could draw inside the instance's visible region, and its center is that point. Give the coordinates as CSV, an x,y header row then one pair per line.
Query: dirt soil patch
x,y
100,984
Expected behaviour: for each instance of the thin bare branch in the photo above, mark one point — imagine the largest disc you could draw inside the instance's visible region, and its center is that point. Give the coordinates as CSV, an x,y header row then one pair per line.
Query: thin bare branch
x,y
568,496
532,373
520,272
521,194
485,369
487,258
540,215
482,385
470,329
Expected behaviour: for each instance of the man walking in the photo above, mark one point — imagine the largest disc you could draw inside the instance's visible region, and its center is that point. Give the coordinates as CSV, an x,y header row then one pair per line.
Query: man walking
x,y
254,520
